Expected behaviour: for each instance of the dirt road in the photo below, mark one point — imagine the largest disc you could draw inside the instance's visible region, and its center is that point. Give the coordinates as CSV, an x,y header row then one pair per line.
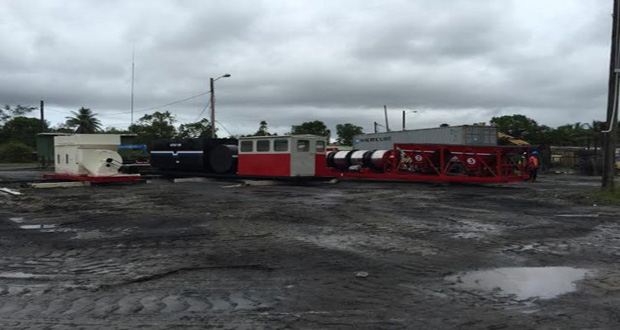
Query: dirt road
x,y
345,256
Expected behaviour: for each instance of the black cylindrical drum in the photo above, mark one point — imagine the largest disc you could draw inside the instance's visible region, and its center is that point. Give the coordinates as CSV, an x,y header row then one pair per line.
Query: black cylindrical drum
x,y
223,158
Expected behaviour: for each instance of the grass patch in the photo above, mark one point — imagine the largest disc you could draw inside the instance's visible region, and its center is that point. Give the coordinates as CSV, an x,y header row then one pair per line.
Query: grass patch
x,y
605,197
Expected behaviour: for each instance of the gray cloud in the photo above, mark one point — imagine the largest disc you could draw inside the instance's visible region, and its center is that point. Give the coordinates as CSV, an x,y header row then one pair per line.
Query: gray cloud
x,y
455,61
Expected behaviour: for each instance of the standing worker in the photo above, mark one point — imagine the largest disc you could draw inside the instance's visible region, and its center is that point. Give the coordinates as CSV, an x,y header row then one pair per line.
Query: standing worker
x,y
533,164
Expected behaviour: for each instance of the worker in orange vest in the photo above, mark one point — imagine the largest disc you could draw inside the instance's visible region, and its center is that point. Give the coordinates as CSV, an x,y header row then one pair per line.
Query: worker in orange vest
x,y
533,164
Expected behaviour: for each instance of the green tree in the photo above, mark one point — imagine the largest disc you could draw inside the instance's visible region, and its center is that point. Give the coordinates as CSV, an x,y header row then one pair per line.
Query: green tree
x,y
316,127
22,129
159,125
8,112
263,130
564,135
15,151
61,128
199,129
84,121
518,126
346,132
114,130
524,128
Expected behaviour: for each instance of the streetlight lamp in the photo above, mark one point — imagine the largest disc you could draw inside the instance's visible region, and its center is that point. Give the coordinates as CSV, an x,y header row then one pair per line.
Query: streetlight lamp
x,y
212,101
404,113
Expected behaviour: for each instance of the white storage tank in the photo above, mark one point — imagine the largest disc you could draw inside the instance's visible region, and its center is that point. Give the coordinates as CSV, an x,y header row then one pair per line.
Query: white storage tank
x,y
450,135
87,154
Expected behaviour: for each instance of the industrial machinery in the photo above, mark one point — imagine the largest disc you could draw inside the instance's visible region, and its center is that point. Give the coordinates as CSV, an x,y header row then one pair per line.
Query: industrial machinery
x,y
282,156
422,162
89,157
305,156
217,156
94,157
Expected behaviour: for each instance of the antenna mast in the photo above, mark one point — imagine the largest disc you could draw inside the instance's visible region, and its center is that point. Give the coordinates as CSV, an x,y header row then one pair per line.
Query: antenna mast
x,y
133,66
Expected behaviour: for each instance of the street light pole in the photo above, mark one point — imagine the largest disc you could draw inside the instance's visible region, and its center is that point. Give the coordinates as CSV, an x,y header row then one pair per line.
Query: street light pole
x,y
612,104
212,102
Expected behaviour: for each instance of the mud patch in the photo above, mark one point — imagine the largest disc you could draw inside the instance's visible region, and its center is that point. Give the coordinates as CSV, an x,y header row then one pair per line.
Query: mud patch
x,y
89,235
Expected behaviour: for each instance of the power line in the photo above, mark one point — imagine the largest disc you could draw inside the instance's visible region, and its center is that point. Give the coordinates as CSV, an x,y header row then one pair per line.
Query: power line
x,y
224,127
158,106
203,110
58,111
141,110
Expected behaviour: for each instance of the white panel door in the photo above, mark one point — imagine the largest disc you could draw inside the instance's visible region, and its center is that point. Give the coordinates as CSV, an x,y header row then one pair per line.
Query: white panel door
x,y
303,152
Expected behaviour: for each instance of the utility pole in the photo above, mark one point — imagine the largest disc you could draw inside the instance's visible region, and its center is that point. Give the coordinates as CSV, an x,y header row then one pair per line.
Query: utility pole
x,y
612,105
133,67
387,125
212,102
375,127
42,116
404,120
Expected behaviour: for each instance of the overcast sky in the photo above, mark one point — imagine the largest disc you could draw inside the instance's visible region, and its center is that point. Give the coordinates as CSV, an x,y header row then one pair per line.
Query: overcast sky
x,y
455,62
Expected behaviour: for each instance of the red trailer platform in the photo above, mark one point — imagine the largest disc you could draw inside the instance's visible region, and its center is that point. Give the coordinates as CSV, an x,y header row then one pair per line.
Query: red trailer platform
x,y
434,163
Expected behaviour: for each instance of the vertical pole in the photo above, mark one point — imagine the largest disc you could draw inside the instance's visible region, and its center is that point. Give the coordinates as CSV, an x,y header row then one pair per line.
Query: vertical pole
x,y
375,127
42,116
387,125
500,166
133,69
595,154
610,137
442,168
403,120
212,101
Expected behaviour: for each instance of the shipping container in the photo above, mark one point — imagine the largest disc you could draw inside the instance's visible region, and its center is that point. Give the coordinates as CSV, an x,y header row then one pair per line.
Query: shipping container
x,y
451,135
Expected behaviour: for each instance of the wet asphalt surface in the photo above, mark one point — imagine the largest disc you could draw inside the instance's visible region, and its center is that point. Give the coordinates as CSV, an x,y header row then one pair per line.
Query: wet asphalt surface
x,y
352,255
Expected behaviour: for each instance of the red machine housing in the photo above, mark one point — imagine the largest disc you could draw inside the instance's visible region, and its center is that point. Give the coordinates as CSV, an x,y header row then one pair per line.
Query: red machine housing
x,y
282,156
440,163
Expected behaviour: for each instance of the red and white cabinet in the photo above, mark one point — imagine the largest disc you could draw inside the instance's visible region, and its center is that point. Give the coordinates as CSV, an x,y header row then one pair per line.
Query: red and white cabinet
x,y
281,156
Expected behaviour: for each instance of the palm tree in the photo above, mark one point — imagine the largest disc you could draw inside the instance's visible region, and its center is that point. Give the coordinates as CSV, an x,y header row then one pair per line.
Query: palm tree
x,y
84,121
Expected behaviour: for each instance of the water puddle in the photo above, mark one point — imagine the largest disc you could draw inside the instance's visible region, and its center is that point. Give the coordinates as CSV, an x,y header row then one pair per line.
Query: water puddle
x,y
523,282
37,226
19,275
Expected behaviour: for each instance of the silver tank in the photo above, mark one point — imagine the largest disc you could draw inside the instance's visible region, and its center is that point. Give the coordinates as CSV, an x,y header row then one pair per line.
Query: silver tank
x,y
357,157
377,159
340,159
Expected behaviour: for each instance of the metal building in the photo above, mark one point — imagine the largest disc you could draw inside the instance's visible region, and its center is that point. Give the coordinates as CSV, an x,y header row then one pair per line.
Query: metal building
x,y
451,135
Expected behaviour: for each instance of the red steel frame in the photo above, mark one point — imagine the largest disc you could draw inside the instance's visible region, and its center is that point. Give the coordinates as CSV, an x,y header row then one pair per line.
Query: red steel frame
x,y
478,164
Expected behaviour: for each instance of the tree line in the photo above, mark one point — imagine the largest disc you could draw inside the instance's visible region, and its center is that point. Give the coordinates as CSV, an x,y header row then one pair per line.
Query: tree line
x,y
18,132
574,135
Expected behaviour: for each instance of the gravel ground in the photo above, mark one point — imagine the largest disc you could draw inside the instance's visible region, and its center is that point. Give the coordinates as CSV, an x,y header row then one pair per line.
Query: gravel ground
x,y
352,255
